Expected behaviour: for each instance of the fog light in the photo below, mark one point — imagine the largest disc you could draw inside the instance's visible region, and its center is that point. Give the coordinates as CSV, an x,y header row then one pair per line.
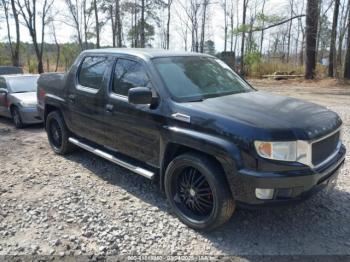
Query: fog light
x,y
264,193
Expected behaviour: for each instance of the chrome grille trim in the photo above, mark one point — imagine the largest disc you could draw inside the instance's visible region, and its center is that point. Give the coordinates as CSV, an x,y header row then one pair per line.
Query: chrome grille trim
x,y
306,158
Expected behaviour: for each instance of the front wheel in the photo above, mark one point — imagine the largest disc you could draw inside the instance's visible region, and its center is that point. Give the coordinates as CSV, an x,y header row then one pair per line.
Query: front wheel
x,y
58,133
16,117
198,192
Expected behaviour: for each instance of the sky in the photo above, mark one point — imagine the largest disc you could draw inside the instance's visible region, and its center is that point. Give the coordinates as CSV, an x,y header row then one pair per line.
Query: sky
x,y
215,28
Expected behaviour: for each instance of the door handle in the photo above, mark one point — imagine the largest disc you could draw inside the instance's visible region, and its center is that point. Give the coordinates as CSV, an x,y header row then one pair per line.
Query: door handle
x,y
71,98
109,108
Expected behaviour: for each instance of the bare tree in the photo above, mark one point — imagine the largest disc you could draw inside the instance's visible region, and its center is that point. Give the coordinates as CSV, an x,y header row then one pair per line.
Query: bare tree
x,y
142,25
347,59
168,24
245,5
311,35
14,48
205,4
290,28
58,47
184,26
192,11
332,51
263,24
342,32
29,13
224,7
74,9
97,23
114,12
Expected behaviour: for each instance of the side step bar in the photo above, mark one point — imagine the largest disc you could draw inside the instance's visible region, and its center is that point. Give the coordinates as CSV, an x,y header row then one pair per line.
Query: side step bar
x,y
138,170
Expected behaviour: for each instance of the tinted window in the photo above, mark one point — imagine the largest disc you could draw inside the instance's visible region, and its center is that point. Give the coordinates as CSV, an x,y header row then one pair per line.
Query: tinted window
x,y
3,83
23,84
92,71
128,74
196,78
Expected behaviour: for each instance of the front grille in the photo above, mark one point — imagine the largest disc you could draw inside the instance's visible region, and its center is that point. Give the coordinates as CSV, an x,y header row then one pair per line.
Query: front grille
x,y
322,149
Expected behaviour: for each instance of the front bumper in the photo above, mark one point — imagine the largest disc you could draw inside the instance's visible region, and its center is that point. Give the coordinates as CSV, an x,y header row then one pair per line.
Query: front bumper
x,y
30,115
289,186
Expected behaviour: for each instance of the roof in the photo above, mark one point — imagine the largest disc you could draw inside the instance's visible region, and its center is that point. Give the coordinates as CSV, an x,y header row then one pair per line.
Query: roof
x,y
19,75
144,52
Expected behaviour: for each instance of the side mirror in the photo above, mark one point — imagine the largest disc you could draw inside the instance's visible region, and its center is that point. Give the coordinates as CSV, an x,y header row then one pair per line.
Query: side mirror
x,y
3,91
140,95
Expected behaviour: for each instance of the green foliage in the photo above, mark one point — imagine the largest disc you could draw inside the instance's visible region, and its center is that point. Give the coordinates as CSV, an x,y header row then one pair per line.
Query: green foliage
x,y
134,33
5,58
241,29
268,19
209,47
252,61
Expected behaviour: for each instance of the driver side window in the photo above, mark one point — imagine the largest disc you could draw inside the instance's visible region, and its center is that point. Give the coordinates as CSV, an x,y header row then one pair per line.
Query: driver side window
x,y
3,83
128,74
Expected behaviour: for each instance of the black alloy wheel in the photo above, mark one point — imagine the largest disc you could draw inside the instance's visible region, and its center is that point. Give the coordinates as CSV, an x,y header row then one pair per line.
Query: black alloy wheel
x,y
58,133
197,191
193,193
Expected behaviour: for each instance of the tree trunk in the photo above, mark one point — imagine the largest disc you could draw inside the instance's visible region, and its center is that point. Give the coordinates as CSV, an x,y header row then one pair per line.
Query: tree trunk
x,y
290,29
311,34
263,24
225,25
245,3
205,5
142,35
118,21
97,22
333,39
168,25
15,56
113,25
347,59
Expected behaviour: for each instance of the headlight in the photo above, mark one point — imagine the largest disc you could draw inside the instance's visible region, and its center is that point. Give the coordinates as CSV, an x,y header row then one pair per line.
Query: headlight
x,y
285,151
28,104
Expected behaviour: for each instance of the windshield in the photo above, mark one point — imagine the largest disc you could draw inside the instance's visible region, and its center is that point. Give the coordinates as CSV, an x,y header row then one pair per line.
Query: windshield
x,y
23,84
196,78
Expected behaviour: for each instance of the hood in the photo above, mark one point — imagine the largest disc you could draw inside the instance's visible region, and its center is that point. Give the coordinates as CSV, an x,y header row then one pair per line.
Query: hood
x,y
28,97
263,115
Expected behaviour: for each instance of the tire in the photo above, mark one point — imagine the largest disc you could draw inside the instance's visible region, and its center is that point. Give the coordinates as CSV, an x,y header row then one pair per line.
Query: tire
x,y
200,205
16,118
58,133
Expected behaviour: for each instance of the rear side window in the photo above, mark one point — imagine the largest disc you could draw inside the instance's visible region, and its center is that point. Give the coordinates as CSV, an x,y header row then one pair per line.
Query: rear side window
x,y
128,74
92,71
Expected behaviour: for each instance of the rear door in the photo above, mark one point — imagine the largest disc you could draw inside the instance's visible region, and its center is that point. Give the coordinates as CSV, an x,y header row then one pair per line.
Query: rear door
x,y
3,98
86,101
133,130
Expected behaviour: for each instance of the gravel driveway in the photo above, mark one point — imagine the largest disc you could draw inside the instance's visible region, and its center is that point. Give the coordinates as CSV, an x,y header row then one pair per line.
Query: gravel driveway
x,y
82,204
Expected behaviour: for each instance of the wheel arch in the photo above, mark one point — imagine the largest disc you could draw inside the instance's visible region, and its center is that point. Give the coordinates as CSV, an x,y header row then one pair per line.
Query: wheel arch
x,y
179,141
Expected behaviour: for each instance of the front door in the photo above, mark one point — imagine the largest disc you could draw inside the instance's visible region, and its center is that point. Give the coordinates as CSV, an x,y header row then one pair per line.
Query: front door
x,y
3,98
86,101
133,130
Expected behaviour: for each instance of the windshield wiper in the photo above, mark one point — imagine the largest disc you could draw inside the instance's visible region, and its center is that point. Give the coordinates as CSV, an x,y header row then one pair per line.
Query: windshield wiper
x,y
22,92
196,100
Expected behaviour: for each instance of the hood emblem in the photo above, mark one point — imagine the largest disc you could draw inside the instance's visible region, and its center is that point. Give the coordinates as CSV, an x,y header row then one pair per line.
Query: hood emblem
x,y
181,117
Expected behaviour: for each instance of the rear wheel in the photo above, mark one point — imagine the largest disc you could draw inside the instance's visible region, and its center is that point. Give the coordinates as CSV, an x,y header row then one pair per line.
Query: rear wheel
x,y
198,192
58,133
16,117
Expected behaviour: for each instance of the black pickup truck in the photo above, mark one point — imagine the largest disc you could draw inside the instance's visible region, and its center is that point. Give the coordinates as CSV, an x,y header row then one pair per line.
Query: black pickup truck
x,y
189,121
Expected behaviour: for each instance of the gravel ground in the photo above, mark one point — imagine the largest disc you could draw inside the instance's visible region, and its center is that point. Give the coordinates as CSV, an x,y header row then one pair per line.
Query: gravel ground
x,y
82,204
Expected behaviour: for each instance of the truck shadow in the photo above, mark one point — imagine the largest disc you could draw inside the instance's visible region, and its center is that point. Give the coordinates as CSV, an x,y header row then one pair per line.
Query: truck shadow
x,y
293,230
